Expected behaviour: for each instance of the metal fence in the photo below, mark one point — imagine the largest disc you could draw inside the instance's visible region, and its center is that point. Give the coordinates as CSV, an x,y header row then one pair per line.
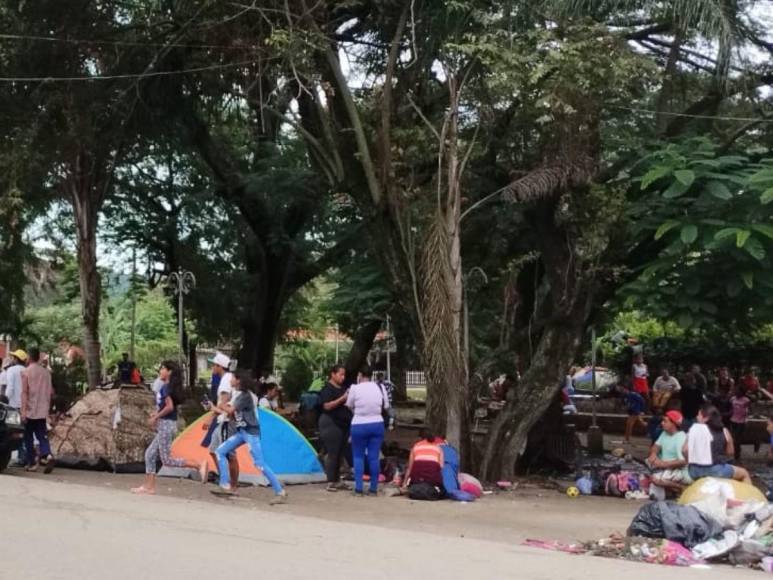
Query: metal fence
x,y
415,379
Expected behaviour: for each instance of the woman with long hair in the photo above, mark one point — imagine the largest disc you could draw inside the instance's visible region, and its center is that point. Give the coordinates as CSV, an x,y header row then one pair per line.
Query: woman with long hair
x,y
164,421
709,445
425,463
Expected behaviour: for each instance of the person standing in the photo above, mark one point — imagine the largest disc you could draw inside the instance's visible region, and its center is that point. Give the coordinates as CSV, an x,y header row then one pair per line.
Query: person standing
x,y
367,401
335,422
125,369
36,396
664,388
635,405
740,404
641,375
164,421
725,383
243,409
14,378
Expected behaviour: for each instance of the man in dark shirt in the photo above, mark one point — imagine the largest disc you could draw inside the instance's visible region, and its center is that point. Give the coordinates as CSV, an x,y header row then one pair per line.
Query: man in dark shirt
x,y
334,423
243,409
693,398
125,368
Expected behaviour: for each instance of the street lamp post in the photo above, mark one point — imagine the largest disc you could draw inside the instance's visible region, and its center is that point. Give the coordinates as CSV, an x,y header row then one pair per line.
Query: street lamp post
x,y
181,283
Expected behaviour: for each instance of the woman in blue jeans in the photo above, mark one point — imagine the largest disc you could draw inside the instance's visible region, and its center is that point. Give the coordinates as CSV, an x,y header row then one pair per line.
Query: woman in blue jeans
x,y
243,409
368,401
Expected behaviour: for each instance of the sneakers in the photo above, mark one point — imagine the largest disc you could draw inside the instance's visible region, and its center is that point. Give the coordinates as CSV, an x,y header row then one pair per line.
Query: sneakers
x,y
279,499
331,487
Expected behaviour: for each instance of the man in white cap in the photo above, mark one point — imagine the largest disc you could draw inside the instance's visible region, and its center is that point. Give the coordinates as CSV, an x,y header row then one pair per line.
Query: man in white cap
x,y
221,428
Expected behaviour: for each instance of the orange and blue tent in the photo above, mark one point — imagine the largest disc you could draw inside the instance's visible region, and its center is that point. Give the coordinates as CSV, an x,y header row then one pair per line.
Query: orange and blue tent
x,y
285,449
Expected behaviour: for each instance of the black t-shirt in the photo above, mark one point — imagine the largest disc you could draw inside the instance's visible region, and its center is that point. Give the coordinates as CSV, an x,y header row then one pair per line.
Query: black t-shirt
x,y
341,415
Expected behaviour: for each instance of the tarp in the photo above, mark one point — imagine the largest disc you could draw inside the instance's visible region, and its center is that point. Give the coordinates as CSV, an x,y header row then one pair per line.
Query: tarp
x,y
105,429
285,449
708,486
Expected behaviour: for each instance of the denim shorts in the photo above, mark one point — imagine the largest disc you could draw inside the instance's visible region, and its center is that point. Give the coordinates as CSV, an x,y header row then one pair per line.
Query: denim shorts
x,y
721,470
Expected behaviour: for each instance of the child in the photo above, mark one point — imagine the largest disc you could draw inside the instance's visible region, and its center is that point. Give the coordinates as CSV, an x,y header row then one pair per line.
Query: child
x,y
740,404
640,377
635,405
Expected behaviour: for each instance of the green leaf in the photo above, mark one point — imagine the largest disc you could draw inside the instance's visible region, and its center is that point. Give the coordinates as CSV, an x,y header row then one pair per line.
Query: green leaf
x,y
741,237
763,176
767,196
685,320
748,279
665,228
689,234
709,307
763,229
755,248
685,176
718,190
676,189
733,288
726,233
654,174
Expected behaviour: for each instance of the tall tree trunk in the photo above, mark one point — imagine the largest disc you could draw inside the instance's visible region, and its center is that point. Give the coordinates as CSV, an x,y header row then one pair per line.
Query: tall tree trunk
x,y
358,355
86,217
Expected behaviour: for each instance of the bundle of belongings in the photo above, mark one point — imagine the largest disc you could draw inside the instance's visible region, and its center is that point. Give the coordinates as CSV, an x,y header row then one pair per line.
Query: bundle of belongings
x,y
616,477
716,519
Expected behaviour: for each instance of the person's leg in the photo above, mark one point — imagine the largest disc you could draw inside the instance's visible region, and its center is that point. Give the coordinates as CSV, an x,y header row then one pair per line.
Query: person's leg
x,y
227,447
740,474
737,430
331,436
151,458
253,442
629,421
359,441
375,439
29,444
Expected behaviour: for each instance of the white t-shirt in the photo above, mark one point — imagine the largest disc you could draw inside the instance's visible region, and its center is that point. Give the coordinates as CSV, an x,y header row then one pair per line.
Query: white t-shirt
x,y
699,445
267,403
670,384
367,400
3,378
640,370
13,388
224,387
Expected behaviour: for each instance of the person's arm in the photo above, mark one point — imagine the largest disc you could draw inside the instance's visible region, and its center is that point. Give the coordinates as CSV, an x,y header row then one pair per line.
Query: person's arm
x,y
653,458
677,385
350,399
25,387
730,445
335,403
766,393
407,477
168,408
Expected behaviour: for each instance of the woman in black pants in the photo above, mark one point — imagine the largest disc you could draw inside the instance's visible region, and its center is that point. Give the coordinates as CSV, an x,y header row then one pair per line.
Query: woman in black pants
x,y
334,424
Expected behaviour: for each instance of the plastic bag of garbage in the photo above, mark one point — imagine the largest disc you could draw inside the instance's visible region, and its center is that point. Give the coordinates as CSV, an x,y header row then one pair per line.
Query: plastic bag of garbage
x,y
683,524
749,552
717,547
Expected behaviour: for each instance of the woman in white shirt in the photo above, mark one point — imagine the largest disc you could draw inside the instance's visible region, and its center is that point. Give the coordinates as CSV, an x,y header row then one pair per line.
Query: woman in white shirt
x,y
708,446
368,401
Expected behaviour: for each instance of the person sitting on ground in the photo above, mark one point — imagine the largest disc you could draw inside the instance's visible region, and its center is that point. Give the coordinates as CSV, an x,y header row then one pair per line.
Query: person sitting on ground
x,y
425,463
667,458
708,446
635,404
740,404
270,398
664,388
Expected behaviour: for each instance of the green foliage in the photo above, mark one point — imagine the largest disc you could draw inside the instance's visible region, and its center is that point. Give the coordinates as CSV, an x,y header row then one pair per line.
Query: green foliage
x,y
296,378
713,239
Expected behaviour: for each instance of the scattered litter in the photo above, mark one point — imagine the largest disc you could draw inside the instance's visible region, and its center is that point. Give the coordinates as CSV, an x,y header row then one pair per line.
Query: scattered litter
x,y
556,546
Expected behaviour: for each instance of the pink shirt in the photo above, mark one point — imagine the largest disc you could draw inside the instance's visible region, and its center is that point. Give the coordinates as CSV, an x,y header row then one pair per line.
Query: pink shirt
x,y
367,400
36,392
740,409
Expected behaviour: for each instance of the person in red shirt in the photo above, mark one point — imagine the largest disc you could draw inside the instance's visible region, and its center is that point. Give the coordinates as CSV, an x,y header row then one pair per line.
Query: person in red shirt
x,y
751,384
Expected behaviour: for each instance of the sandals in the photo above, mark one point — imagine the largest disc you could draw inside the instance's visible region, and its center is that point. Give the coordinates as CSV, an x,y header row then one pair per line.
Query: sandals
x,y
142,490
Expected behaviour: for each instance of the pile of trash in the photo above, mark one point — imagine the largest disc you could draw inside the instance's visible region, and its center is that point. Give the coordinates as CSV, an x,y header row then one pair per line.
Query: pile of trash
x,y
615,475
717,521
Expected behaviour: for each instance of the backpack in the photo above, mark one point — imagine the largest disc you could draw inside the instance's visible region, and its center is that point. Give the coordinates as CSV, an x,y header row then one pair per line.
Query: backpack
x,y
424,491
136,377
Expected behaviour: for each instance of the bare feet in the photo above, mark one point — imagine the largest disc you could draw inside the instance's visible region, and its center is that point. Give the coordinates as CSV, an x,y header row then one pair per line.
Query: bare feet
x,y
203,472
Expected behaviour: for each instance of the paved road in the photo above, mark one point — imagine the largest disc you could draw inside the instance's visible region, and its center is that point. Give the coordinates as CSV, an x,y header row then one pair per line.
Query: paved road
x,y
55,530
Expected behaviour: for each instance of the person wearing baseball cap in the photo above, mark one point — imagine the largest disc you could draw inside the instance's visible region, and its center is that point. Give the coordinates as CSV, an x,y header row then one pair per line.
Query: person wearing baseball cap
x,y
667,459
220,427
13,378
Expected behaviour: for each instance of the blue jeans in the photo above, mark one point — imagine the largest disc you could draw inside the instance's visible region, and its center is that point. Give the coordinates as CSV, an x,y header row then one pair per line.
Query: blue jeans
x,y
35,428
367,438
721,470
253,442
